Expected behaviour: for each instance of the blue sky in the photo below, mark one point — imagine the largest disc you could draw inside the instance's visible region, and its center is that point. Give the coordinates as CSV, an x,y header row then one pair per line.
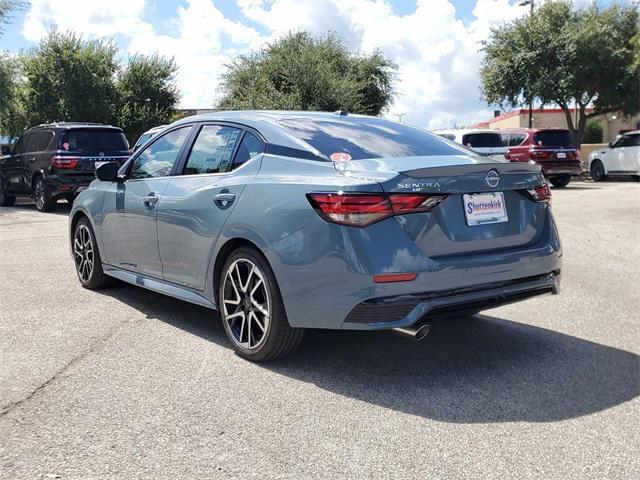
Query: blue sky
x,y
434,42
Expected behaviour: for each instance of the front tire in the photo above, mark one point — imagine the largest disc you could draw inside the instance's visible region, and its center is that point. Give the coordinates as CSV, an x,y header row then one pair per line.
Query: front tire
x,y
44,203
87,257
597,171
252,310
560,182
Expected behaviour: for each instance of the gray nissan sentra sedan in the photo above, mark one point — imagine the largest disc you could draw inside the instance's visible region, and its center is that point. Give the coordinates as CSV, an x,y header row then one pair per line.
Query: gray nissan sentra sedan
x,y
284,221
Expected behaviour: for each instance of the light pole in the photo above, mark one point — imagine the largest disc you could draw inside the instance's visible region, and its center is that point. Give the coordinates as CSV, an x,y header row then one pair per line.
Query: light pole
x,y
524,3
400,115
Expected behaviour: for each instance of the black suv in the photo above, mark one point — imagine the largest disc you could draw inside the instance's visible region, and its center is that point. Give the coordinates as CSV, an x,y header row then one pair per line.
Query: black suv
x,y
58,160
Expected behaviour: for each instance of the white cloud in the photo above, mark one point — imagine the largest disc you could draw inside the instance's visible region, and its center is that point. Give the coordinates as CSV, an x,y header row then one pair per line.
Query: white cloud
x,y
438,58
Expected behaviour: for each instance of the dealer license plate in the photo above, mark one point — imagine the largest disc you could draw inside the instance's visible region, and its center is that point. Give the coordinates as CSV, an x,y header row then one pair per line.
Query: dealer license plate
x,y
484,208
561,155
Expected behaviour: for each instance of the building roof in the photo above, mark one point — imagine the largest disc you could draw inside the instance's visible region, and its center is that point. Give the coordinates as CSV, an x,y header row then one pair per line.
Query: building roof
x,y
522,111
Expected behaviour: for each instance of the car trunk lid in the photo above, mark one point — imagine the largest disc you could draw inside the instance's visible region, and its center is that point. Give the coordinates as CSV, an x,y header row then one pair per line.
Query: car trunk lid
x,y
449,228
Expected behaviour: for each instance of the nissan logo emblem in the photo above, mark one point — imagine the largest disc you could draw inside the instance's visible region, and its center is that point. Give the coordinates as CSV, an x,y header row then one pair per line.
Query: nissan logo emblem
x,y
492,178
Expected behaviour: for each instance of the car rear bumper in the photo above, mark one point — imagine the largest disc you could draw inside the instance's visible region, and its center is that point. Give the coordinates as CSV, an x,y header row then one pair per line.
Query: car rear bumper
x,y
331,275
573,168
64,185
407,310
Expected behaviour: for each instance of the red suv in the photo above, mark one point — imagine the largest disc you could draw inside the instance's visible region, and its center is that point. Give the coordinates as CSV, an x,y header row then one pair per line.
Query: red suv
x,y
552,148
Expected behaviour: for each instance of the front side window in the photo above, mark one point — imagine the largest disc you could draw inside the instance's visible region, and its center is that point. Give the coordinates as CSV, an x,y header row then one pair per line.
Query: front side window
x,y
21,144
358,138
213,150
628,141
157,159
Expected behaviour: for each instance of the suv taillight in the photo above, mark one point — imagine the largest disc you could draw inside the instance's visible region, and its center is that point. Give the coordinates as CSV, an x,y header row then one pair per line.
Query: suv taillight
x,y
64,162
363,209
538,155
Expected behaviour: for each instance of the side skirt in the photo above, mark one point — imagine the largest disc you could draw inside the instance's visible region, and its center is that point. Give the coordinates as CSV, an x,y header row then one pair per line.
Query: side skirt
x,y
175,291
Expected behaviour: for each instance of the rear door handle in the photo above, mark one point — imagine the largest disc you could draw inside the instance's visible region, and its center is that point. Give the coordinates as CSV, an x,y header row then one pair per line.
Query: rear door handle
x,y
150,200
224,199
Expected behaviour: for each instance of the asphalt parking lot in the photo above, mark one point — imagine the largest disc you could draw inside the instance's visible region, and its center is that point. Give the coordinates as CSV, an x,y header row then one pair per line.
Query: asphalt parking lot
x,y
126,383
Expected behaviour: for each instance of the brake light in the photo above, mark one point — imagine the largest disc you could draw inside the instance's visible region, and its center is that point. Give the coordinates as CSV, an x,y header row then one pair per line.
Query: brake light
x,y
64,162
541,193
363,209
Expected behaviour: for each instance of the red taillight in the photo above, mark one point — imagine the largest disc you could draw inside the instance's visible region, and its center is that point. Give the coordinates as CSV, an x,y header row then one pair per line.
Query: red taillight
x,y
541,193
362,209
64,162
394,277
538,154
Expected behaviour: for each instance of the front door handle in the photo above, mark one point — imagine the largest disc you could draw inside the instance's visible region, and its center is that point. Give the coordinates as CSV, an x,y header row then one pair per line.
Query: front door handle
x,y
150,200
224,199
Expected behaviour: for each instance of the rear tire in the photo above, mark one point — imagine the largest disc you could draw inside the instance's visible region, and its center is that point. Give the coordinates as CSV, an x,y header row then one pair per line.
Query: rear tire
x,y
87,257
44,203
252,310
560,182
6,200
597,171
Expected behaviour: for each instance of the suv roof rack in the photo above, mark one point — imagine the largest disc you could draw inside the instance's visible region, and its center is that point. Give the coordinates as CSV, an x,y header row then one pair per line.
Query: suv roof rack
x,y
64,124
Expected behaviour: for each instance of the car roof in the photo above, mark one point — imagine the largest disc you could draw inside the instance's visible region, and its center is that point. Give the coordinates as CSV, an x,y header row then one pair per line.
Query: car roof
x,y
74,125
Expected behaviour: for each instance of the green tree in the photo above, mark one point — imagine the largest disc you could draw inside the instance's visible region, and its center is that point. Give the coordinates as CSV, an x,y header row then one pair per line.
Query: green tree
x,y
592,132
147,94
13,115
69,78
7,9
303,72
582,58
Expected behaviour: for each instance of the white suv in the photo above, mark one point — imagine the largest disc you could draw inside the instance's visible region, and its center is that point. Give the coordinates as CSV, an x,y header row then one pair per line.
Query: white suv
x,y
487,143
621,158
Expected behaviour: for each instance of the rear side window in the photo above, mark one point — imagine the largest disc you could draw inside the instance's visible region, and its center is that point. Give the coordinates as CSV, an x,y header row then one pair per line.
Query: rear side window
x,y
482,140
553,138
516,139
361,138
157,159
249,148
629,140
39,141
213,150
95,140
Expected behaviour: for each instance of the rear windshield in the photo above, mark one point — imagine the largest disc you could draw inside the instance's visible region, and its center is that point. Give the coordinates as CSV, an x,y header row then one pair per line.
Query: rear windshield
x,y
482,140
359,138
555,138
93,140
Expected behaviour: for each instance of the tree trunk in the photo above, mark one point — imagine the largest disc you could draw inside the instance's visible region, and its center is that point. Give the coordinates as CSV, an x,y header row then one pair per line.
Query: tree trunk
x,y
577,131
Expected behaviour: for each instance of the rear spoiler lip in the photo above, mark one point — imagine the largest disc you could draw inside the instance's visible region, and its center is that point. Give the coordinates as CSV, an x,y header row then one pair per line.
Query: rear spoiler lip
x,y
471,169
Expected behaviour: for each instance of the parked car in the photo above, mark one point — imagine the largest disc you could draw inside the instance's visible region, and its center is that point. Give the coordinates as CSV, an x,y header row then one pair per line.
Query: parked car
x,y
552,148
621,158
284,221
147,136
485,142
57,160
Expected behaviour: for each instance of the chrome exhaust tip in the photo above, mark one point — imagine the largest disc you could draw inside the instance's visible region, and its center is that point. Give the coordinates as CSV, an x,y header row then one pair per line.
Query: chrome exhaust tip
x,y
416,334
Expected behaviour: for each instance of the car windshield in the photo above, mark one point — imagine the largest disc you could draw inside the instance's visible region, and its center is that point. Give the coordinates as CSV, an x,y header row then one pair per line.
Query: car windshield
x,y
358,138
143,138
93,140
554,138
482,140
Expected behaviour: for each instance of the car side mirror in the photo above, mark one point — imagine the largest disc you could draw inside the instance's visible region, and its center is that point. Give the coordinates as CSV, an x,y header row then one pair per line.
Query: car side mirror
x,y
108,172
611,145
6,150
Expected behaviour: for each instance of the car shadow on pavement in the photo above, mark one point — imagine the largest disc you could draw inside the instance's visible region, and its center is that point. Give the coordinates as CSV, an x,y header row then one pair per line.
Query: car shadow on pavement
x,y
468,370
62,208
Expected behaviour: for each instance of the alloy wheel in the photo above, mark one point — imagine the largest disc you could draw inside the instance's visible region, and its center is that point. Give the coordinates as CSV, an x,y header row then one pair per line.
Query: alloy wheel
x,y
39,194
83,253
246,304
